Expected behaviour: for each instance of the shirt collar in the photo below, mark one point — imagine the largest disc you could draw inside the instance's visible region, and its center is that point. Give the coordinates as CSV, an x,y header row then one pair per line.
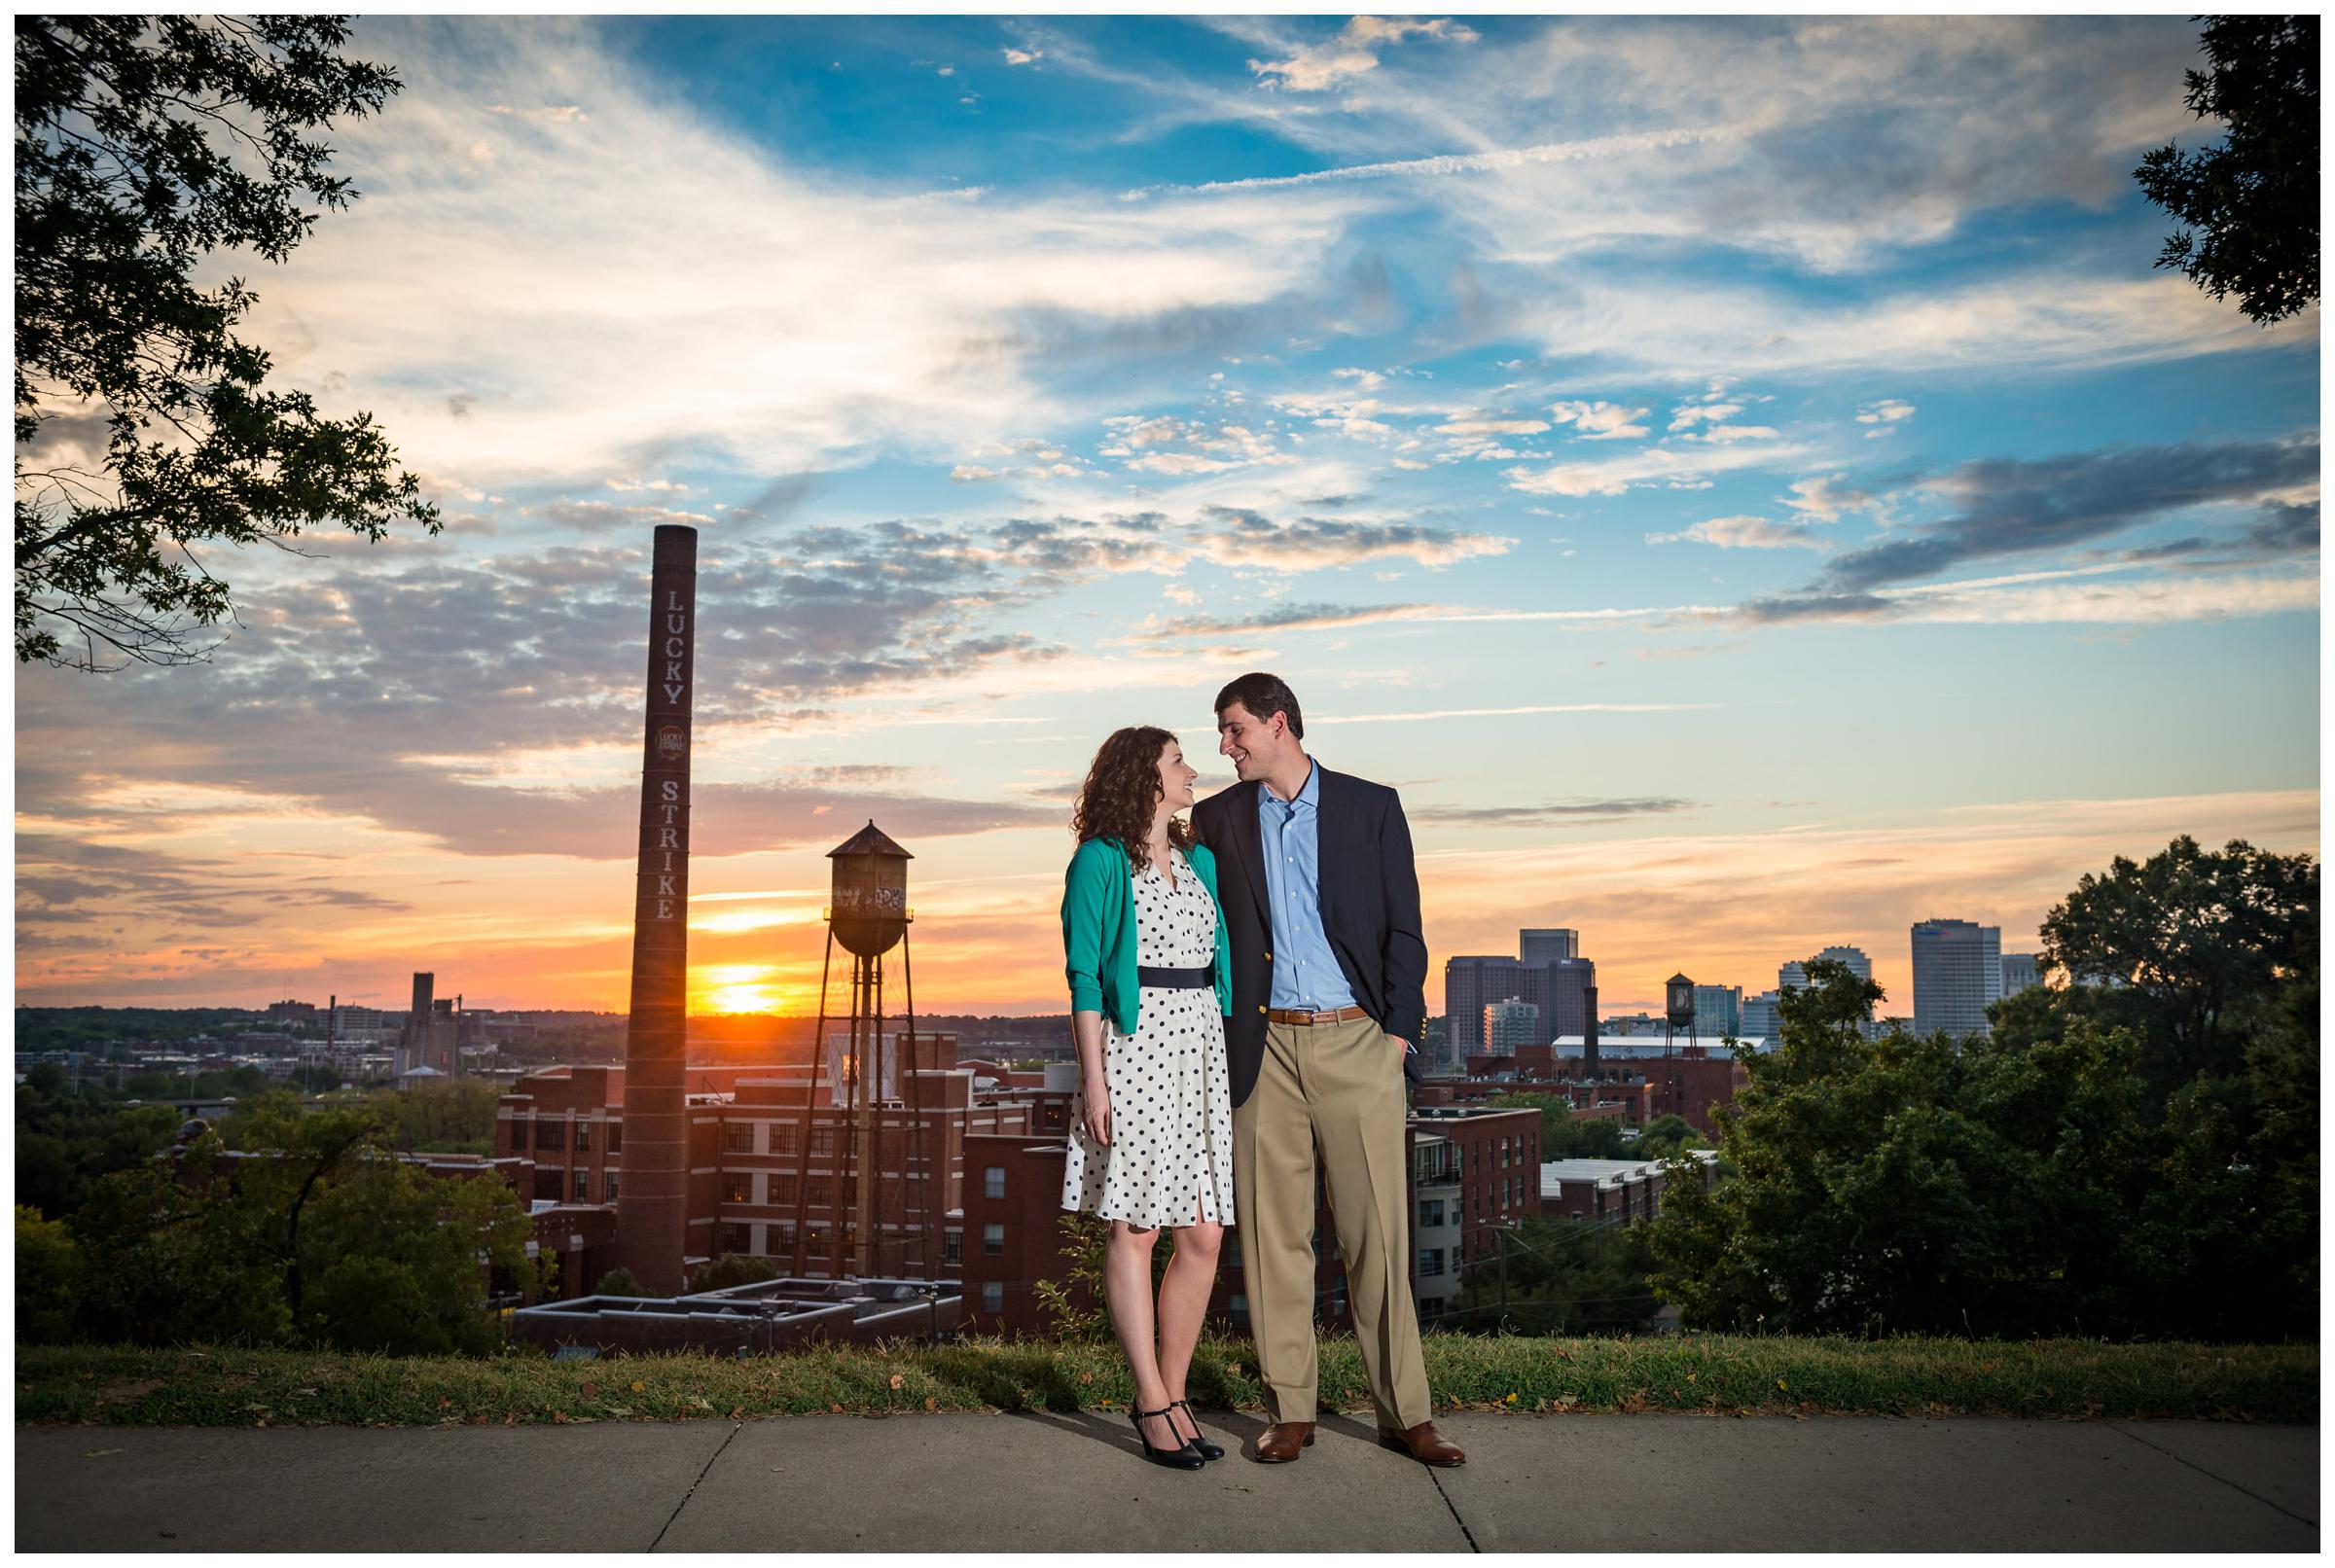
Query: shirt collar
x,y
1310,797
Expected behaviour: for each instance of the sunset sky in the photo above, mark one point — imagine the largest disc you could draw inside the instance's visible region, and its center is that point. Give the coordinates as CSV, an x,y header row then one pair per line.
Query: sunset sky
x,y
1741,481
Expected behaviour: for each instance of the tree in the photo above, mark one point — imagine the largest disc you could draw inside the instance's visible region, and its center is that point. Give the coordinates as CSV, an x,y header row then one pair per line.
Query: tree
x,y
2195,934
298,1159
2032,1180
1563,1277
2255,197
145,144
1666,1135
399,1258
620,1282
48,1273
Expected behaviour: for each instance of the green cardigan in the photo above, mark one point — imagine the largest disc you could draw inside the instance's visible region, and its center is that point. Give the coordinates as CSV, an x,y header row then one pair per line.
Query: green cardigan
x,y
1099,932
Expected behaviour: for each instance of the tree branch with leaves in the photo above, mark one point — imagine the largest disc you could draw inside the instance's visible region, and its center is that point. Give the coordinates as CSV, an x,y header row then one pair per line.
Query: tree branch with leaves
x,y
143,144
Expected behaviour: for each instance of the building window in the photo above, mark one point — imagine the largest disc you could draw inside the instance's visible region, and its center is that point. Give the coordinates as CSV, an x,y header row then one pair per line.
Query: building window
x,y
548,1181
519,1135
1238,1306
822,1143
782,1138
616,1136
822,1192
782,1189
1430,1213
1430,1261
738,1137
782,1241
993,1296
953,1248
736,1239
737,1188
608,1185
993,1241
583,1137
583,1185
993,1182
550,1133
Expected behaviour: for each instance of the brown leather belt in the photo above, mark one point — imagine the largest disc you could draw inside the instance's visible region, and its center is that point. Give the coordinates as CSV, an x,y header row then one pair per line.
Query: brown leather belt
x,y
1344,1014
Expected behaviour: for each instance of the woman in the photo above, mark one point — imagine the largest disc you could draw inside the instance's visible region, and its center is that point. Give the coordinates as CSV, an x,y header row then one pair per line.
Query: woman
x,y
1150,984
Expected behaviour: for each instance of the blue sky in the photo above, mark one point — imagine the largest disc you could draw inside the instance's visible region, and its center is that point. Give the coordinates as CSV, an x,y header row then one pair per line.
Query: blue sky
x,y
1743,480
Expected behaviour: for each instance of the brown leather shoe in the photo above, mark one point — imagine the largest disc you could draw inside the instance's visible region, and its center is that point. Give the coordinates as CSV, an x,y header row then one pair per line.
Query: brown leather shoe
x,y
1423,1444
1282,1441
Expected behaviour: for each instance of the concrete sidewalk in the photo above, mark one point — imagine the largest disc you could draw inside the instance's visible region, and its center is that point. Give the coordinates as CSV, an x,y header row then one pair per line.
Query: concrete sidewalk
x,y
1074,1483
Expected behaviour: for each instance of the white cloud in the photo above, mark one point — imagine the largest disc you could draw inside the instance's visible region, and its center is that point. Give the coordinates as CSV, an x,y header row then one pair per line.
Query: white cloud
x,y
1321,66
1600,421
1744,533
1888,411
804,326
1024,56
1689,469
1496,427
969,473
1825,499
2054,319
1686,416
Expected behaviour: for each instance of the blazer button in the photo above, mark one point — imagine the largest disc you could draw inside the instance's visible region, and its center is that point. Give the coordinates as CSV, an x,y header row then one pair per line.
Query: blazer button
x,y
1269,958
1260,1008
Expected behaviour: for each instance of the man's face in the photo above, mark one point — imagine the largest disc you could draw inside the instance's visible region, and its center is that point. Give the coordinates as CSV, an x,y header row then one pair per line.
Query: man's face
x,y
1255,745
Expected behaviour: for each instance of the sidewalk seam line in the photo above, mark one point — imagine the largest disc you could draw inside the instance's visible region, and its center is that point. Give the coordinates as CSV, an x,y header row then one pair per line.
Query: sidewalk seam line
x,y
2210,1476
734,1429
1469,1534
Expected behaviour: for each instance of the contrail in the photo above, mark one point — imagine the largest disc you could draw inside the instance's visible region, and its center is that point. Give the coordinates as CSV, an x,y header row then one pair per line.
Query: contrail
x,y
1466,163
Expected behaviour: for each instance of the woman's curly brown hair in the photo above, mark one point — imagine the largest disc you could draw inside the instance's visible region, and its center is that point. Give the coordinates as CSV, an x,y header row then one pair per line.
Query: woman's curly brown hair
x,y
1122,793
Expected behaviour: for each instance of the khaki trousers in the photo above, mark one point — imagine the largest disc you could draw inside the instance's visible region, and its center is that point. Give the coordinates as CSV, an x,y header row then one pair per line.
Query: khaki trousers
x,y
1336,1088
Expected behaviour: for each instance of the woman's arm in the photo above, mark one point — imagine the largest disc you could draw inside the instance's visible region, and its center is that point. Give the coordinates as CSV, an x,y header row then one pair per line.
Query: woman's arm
x,y
1086,1028
1084,891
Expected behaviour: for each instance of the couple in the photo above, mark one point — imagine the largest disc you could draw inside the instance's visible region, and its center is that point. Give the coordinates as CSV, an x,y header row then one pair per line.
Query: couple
x,y
1244,993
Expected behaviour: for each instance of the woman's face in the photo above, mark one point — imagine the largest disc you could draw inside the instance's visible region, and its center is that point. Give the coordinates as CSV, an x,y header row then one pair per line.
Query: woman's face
x,y
1175,776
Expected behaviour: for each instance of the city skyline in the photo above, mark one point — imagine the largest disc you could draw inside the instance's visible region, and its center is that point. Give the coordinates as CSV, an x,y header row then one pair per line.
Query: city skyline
x,y
1727,555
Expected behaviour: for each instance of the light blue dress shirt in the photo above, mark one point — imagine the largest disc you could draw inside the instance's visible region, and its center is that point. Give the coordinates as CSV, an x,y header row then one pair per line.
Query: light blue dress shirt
x,y
1305,971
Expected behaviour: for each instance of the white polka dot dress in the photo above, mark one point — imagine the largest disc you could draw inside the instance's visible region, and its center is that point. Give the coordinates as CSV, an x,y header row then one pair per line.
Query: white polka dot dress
x,y
1169,1162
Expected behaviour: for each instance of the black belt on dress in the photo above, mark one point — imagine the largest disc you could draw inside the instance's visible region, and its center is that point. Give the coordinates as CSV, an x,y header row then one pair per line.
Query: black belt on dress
x,y
1176,979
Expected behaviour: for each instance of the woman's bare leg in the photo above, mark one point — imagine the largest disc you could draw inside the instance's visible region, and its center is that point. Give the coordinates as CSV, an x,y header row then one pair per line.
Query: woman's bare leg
x,y
1127,1288
1184,1304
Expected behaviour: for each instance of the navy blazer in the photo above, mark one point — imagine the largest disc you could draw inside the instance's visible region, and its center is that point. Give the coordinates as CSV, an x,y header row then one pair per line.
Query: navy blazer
x,y
1369,911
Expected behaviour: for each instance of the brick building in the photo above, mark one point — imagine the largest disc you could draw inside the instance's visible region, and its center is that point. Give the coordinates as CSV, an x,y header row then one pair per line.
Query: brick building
x,y
769,1162
1469,1167
1623,1190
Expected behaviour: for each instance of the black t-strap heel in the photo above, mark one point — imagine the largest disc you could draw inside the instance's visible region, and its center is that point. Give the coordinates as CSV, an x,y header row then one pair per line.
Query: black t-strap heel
x,y
1181,1457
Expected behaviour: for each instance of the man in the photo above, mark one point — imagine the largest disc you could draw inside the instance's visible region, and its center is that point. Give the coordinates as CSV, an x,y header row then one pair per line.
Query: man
x,y
1329,968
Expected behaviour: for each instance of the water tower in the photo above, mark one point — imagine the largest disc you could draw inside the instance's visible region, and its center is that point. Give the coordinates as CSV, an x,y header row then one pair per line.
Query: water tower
x,y
1678,1013
868,914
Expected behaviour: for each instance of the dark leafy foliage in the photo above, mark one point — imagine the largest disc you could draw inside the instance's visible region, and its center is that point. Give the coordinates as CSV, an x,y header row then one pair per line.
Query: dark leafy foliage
x,y
2135,1161
1561,1276
315,1236
2252,203
144,144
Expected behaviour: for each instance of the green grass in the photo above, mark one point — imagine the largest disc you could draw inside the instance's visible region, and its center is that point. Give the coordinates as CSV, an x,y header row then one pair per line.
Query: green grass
x,y
1710,1374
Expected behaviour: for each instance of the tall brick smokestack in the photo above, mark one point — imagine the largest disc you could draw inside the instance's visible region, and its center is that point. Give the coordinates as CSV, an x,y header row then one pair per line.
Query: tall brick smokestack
x,y
1588,1033
651,1212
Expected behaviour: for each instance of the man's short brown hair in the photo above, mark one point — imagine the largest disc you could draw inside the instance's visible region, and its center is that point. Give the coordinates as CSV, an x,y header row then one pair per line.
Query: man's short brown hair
x,y
1262,695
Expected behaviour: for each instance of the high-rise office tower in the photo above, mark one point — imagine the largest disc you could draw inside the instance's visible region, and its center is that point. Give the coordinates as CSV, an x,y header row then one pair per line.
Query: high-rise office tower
x,y
1510,1023
1794,976
1548,945
1958,970
1471,983
1761,1019
1718,1012
2019,971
